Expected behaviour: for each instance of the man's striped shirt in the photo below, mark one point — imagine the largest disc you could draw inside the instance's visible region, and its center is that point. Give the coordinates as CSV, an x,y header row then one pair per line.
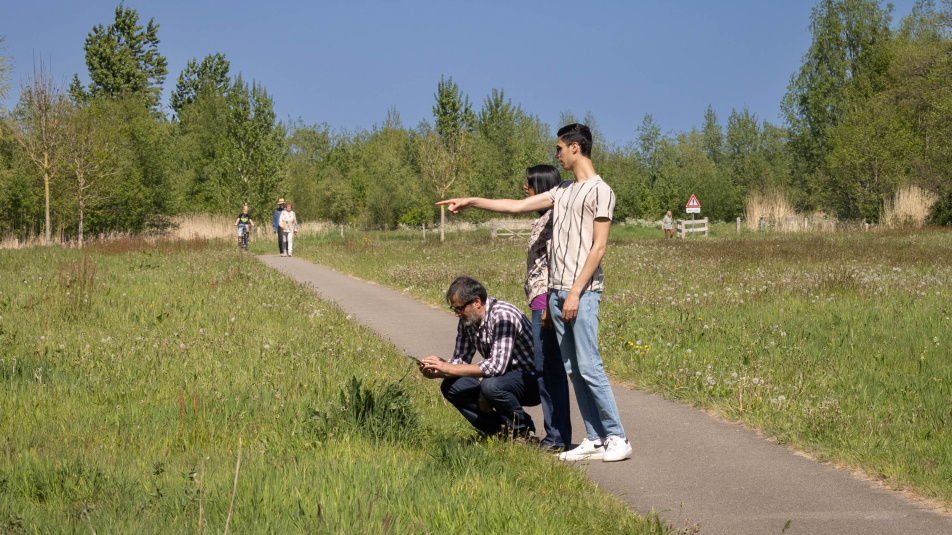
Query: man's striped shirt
x,y
576,205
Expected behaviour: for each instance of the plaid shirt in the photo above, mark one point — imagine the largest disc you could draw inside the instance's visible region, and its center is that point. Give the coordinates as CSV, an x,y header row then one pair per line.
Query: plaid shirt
x,y
504,339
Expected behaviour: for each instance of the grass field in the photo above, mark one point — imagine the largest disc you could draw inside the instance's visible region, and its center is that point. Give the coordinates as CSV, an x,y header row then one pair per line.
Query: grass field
x,y
837,344
139,379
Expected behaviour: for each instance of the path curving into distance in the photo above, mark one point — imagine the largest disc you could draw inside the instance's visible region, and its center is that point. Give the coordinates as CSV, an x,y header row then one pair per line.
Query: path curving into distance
x,y
687,464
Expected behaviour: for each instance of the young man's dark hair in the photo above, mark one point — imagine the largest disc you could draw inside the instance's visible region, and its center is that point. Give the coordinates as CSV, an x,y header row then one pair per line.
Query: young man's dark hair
x,y
577,133
466,290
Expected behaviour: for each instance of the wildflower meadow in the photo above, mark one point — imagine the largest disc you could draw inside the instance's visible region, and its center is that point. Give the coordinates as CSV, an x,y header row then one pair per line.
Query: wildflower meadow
x,y
837,344
183,387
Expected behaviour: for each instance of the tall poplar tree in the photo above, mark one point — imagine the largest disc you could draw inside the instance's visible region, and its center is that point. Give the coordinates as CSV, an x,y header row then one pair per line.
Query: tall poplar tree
x,y
252,150
6,67
850,50
713,136
446,151
123,58
209,76
40,129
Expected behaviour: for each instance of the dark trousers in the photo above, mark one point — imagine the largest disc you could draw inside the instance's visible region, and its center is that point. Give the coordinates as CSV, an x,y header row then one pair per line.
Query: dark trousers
x,y
507,394
282,243
553,384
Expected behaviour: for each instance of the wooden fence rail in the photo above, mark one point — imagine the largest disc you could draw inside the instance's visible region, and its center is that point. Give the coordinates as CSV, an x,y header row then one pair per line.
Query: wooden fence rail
x,y
685,226
510,228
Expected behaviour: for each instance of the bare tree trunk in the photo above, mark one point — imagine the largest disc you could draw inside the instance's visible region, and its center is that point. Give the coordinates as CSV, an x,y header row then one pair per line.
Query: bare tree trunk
x,y
46,192
40,129
442,222
80,225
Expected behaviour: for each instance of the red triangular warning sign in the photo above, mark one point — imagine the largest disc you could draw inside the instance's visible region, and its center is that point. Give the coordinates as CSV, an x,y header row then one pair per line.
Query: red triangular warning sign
x,y
692,202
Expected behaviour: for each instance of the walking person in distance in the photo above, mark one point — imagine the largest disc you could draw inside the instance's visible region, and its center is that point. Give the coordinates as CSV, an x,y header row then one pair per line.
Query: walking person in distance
x,y
667,224
276,225
288,224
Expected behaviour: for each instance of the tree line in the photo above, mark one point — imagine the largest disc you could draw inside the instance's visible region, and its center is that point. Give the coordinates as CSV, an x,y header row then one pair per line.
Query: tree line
x,y
867,112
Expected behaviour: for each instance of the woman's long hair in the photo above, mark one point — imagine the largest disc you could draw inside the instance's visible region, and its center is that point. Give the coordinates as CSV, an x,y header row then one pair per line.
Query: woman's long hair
x,y
542,178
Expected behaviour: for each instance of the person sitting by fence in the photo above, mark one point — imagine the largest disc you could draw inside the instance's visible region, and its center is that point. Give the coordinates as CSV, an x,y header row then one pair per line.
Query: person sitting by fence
x,y
492,393
668,225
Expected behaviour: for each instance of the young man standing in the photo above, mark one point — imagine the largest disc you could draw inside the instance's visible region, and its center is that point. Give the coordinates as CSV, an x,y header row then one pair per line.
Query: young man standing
x,y
582,213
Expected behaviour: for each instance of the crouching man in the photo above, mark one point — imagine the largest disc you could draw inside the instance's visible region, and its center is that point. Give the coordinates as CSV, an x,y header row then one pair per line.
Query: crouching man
x,y
492,393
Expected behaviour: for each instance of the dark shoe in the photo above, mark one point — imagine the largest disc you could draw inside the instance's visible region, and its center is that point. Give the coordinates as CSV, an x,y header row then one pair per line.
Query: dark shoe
x,y
528,439
548,447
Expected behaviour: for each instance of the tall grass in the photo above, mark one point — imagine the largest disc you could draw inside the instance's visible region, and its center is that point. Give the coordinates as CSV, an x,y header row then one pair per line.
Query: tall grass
x,y
181,227
910,206
130,373
837,344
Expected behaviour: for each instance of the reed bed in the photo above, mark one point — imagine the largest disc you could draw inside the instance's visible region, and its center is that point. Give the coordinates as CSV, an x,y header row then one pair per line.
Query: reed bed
x,y
910,206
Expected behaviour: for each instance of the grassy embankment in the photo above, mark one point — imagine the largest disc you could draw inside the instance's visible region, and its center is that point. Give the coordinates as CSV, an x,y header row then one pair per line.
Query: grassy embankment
x,y
837,344
131,376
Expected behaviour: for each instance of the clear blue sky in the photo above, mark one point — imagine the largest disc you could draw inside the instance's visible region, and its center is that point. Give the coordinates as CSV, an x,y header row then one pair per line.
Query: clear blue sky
x,y
347,62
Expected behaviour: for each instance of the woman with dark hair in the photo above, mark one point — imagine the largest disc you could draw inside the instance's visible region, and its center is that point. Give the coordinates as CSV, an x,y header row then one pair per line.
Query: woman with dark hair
x,y
550,371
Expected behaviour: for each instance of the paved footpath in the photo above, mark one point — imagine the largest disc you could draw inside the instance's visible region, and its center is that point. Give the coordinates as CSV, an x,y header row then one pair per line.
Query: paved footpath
x,y
686,464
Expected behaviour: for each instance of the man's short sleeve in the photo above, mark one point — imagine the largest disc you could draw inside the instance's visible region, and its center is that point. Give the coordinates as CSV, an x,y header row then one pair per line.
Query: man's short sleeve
x,y
604,201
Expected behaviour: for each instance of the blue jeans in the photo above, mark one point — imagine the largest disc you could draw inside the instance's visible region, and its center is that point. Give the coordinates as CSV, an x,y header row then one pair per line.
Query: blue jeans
x,y
578,340
506,393
553,384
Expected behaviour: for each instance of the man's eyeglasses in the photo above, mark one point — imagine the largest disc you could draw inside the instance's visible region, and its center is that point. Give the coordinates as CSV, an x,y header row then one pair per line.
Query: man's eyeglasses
x,y
560,148
461,308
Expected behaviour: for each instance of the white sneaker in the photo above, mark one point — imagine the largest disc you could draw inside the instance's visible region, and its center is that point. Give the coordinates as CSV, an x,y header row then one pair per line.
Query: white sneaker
x,y
616,449
586,450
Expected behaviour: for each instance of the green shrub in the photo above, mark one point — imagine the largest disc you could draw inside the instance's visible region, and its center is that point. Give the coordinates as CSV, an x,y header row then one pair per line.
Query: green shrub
x,y
942,211
378,414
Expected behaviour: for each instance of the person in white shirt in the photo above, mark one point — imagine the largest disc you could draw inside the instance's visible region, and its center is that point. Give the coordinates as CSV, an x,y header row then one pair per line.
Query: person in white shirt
x,y
288,224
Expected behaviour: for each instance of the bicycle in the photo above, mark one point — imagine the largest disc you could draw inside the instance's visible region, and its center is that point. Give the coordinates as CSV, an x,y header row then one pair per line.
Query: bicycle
x,y
243,231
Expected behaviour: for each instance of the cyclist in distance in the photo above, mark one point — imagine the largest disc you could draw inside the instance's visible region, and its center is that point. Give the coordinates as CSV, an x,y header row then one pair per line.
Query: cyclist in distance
x,y
244,223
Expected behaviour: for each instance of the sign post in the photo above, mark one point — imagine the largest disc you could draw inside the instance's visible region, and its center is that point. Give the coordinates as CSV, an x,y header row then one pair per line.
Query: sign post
x,y
692,207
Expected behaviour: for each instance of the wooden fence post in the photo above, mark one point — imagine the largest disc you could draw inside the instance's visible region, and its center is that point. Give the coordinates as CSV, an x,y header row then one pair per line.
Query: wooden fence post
x,y
738,225
492,229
